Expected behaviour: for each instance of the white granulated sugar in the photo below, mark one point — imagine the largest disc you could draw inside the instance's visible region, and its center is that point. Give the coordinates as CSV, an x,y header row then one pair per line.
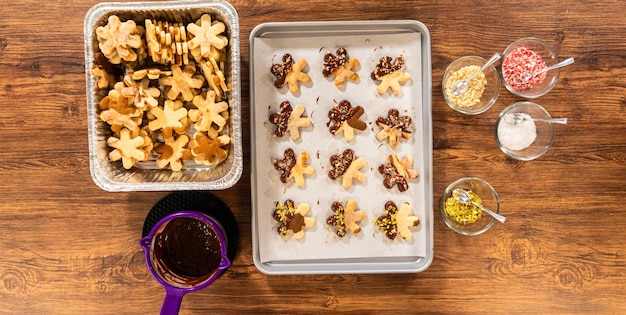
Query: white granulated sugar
x,y
517,137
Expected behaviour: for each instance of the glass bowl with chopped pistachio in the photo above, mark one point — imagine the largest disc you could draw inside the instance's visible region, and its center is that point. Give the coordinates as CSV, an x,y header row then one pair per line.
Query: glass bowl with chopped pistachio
x,y
482,92
467,219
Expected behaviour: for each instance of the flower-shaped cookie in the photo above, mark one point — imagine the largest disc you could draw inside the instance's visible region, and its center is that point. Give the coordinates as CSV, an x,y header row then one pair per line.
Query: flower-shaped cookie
x,y
214,76
292,218
140,93
169,118
390,75
119,41
346,118
173,152
290,72
183,82
209,116
294,167
348,166
394,127
207,34
397,221
167,42
117,111
289,120
150,73
127,148
104,79
345,218
340,66
398,172
209,151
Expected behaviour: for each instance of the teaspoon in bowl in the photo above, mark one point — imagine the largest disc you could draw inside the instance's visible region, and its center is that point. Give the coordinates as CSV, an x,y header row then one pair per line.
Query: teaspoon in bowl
x,y
462,196
461,86
527,76
518,119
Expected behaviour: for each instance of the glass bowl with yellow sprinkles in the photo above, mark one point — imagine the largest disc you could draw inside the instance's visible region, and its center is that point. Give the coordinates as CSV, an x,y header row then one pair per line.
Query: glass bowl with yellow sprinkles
x,y
482,92
467,219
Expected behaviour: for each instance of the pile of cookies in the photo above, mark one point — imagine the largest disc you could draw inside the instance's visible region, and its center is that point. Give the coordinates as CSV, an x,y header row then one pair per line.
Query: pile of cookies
x,y
346,167
164,91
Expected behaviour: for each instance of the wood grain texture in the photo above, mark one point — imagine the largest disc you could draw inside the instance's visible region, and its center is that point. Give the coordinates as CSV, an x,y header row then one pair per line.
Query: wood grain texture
x,y
68,247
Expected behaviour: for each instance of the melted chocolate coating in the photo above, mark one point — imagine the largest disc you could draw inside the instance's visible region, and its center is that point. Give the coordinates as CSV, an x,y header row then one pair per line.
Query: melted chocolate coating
x,y
187,251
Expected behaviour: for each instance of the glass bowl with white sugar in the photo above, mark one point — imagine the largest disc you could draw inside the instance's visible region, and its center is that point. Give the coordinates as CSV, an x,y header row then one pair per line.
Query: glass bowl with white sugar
x,y
520,132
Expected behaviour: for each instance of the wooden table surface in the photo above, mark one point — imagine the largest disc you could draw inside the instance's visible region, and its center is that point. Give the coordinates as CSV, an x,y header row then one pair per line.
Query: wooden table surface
x,y
68,247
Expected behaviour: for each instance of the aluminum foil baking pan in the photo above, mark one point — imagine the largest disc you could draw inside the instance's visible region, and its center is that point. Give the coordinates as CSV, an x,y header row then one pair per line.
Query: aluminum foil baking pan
x,y
320,251
111,176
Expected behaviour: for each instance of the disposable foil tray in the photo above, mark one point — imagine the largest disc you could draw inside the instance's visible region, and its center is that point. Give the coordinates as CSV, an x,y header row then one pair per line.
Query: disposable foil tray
x,y
111,175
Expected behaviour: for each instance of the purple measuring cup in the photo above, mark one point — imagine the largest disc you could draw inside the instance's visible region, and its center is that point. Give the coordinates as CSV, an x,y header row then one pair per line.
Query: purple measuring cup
x,y
182,277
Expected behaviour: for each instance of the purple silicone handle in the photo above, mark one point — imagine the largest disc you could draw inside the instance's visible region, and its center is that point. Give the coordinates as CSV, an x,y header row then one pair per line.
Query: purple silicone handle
x,y
173,299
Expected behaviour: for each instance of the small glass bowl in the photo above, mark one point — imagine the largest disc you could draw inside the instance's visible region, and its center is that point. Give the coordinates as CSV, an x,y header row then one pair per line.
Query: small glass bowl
x,y
492,88
549,56
544,131
490,200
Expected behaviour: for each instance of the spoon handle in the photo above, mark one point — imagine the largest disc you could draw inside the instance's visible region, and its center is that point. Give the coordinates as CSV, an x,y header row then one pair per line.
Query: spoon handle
x,y
562,121
529,75
496,216
563,63
489,62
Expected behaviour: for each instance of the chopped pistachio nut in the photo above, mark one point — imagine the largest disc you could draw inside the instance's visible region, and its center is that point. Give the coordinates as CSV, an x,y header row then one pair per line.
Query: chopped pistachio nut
x,y
338,218
387,223
285,215
463,213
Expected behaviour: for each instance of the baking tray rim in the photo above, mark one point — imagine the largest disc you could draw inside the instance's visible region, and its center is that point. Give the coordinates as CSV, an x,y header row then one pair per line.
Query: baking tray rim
x,y
352,266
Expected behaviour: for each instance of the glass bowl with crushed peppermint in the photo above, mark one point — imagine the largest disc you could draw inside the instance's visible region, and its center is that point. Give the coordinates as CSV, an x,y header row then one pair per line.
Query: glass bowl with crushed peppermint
x,y
521,64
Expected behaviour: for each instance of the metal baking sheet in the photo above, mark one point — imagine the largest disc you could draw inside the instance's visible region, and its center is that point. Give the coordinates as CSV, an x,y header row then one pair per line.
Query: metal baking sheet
x,y
320,251
111,176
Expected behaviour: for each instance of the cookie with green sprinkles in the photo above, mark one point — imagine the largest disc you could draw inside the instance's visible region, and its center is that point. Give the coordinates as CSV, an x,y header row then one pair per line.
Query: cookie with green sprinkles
x,y
397,220
292,218
345,218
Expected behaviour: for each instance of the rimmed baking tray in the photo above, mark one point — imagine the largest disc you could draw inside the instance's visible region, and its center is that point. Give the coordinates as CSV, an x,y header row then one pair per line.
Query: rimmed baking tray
x,y
110,175
321,251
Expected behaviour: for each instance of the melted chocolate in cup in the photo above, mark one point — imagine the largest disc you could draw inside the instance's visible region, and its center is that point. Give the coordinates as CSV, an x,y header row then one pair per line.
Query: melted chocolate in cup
x,y
186,252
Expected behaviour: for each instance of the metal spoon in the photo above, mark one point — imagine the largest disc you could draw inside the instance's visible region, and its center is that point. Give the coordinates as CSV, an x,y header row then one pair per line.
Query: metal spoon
x,y
461,86
528,76
462,196
518,119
